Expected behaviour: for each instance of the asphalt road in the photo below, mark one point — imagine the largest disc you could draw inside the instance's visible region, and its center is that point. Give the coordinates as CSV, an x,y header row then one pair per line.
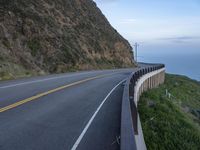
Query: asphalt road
x,y
62,112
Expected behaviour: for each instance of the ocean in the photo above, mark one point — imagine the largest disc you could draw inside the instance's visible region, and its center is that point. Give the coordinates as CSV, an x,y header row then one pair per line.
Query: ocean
x,y
187,64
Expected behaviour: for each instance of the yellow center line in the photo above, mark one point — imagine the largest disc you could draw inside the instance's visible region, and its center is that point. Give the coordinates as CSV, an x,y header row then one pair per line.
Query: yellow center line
x,y
21,102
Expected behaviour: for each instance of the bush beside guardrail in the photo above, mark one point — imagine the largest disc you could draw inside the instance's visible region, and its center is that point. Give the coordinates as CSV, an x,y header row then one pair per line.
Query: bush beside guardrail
x,y
142,79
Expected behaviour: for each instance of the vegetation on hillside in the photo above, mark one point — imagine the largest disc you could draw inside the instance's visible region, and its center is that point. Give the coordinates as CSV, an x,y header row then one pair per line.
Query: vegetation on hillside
x,y
170,115
58,36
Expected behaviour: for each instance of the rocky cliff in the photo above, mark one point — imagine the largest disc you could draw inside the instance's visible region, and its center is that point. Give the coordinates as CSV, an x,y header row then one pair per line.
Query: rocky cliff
x,y
53,36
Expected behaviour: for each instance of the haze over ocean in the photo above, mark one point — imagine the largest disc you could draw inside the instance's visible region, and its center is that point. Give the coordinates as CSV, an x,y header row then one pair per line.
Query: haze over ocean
x,y
179,62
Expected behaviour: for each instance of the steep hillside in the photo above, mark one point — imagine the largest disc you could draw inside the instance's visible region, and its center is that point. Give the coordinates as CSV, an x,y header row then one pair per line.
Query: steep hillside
x,y
53,36
172,121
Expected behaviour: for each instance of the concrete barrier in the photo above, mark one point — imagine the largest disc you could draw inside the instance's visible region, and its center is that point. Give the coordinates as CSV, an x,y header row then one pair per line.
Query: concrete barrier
x,y
147,77
144,83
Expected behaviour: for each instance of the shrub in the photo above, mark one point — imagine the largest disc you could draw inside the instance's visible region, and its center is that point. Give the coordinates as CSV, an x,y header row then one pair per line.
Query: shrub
x,y
34,45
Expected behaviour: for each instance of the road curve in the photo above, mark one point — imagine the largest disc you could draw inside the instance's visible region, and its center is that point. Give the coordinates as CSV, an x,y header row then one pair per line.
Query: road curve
x,y
60,112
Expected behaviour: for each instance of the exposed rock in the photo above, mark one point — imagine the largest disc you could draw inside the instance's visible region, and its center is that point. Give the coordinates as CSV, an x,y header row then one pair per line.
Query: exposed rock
x,y
151,103
59,35
185,108
196,113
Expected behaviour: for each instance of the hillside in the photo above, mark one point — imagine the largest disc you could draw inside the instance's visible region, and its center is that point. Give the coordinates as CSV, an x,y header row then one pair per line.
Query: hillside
x,y
172,121
45,36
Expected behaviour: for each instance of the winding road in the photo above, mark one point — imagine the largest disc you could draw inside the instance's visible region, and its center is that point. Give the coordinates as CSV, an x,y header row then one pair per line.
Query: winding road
x,y
61,112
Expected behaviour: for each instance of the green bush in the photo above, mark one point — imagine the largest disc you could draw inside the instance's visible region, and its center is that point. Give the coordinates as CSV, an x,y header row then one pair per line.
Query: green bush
x,y
34,45
50,21
6,43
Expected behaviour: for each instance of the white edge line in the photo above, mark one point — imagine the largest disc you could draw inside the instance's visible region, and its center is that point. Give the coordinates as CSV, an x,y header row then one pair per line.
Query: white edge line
x,y
92,118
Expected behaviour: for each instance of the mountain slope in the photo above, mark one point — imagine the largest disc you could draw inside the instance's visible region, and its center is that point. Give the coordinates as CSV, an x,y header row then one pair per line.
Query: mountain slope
x,y
45,36
172,121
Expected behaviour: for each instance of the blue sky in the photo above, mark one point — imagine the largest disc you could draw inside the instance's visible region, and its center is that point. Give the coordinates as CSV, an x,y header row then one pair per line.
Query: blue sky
x,y
168,31
173,24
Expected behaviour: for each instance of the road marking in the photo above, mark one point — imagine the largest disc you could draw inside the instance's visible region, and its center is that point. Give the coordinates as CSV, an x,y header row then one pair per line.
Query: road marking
x,y
92,118
21,102
41,80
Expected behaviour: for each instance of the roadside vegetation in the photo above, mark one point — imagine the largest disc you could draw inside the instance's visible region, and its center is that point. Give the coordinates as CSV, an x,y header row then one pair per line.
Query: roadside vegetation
x,y
13,71
36,41
170,115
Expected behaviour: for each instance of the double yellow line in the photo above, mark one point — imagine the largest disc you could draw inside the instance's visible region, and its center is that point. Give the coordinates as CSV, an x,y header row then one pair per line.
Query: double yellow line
x,y
21,102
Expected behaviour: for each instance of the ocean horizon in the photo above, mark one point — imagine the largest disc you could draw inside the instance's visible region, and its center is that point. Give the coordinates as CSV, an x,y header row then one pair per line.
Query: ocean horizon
x,y
187,64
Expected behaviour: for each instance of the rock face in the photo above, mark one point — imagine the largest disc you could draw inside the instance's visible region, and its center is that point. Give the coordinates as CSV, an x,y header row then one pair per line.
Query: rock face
x,y
57,36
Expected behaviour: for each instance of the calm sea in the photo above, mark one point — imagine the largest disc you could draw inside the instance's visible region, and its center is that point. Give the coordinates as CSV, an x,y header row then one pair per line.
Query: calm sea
x,y
182,63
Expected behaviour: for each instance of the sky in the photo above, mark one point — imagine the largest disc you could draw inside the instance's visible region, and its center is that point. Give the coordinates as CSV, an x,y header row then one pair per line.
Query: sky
x,y
164,26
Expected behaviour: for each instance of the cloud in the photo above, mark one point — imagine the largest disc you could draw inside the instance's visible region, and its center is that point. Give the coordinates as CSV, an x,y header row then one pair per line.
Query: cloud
x,y
181,39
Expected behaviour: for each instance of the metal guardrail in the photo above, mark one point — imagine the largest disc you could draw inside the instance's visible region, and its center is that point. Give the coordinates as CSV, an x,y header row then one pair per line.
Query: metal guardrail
x,y
129,114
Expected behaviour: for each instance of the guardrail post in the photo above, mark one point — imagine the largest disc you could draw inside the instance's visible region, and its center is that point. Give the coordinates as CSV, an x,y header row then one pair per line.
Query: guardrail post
x,y
136,84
